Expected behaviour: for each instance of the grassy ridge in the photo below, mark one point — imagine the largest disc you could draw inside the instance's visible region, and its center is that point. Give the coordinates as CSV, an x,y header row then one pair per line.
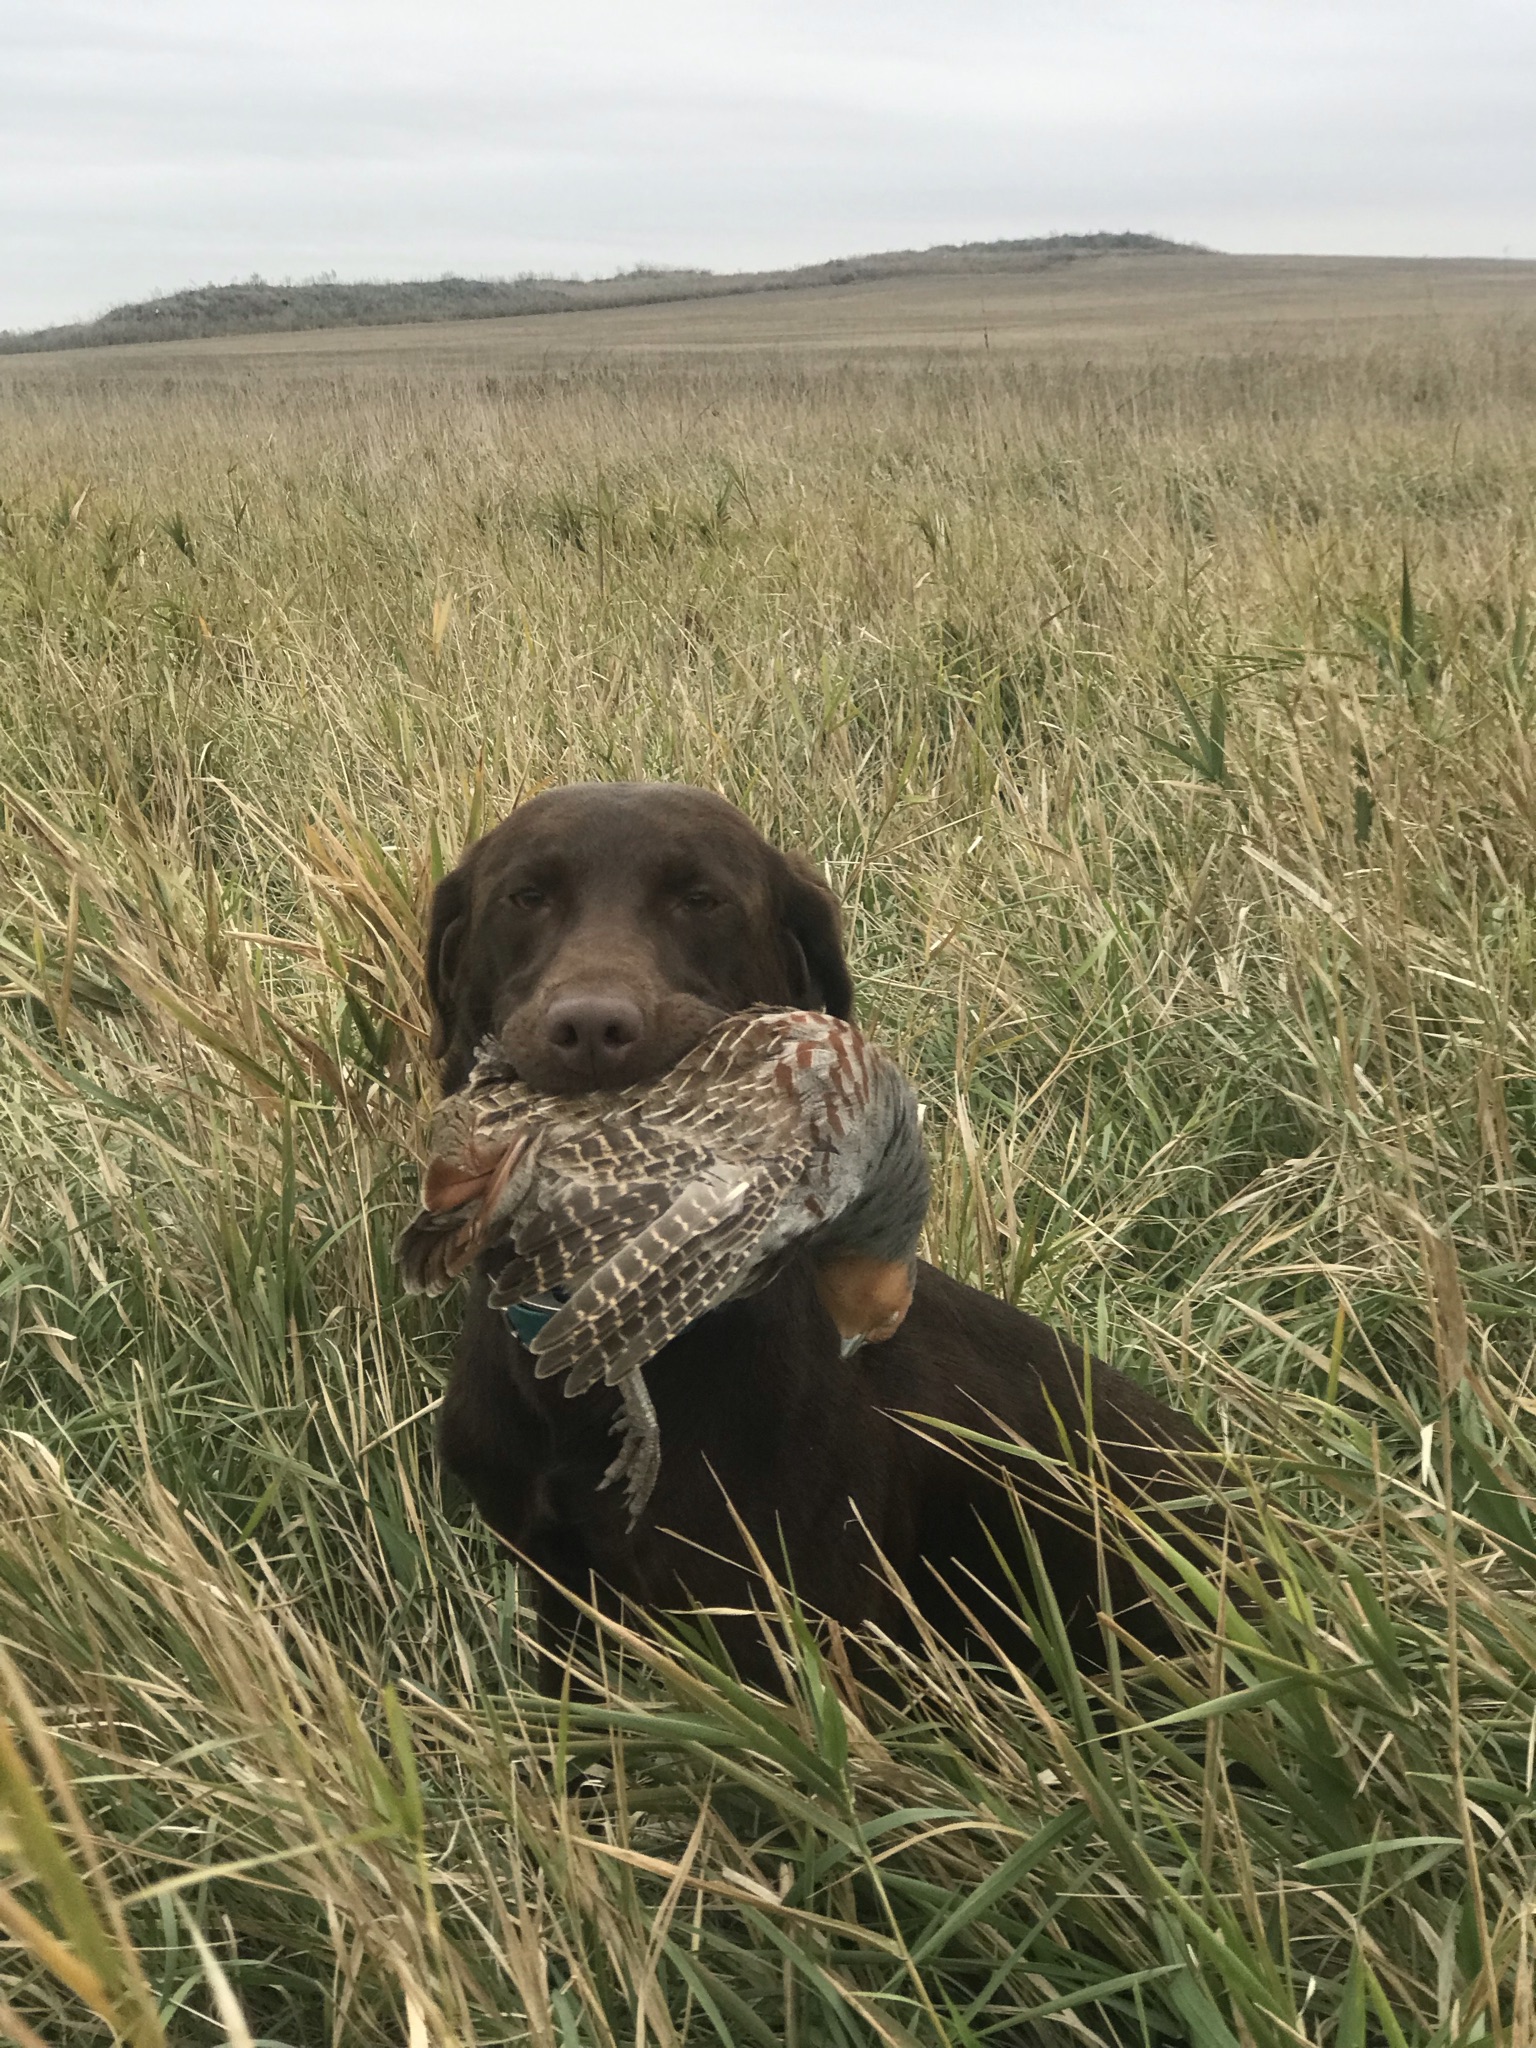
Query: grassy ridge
x,y
256,307
1167,728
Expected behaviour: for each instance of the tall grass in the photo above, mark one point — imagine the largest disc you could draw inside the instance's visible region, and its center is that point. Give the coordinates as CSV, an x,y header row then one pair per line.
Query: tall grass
x,y
1167,728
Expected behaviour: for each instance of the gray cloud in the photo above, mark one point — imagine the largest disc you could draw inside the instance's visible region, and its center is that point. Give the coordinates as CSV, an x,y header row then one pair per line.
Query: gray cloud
x,y
178,142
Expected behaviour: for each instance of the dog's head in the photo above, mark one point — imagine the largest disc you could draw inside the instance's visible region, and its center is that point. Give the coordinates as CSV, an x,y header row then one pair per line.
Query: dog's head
x,y
600,930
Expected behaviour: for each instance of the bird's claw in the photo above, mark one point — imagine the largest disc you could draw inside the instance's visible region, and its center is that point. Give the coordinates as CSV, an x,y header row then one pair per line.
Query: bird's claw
x,y
639,1458
640,1462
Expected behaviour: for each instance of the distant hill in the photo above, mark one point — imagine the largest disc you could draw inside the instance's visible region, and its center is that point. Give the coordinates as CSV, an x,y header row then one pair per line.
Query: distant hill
x,y
257,307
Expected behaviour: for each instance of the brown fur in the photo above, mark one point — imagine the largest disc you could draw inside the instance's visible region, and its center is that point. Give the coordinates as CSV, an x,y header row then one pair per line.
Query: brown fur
x,y
599,931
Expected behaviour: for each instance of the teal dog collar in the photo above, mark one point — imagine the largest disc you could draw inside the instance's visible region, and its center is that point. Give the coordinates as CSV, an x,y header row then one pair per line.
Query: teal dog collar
x,y
525,1319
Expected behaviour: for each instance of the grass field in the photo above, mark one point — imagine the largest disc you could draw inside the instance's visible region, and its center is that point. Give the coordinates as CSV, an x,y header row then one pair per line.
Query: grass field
x,y
1160,692
1105,307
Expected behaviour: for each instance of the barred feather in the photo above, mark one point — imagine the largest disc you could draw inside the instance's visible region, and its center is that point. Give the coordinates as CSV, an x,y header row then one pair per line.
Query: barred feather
x,y
563,1247
655,1286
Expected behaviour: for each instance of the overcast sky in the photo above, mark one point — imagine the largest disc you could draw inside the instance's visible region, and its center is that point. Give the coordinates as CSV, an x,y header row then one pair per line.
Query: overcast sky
x,y
149,144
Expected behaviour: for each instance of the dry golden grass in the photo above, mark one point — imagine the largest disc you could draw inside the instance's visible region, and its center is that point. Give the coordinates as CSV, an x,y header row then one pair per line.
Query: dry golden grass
x,y
1165,717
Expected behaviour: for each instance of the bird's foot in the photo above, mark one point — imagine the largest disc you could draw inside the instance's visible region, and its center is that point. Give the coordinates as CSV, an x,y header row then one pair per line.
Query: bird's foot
x,y
639,1458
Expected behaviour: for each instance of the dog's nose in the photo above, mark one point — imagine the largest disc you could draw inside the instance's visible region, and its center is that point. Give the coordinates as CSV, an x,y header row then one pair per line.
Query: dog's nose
x,y
592,1033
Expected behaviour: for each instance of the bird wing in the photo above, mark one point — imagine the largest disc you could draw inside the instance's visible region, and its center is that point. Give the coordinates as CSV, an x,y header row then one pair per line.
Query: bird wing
x,y
596,1186
679,1267
581,1230
603,1179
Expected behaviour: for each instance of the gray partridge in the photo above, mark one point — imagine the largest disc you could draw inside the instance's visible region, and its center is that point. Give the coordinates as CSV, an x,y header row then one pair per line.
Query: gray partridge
x,y
631,1213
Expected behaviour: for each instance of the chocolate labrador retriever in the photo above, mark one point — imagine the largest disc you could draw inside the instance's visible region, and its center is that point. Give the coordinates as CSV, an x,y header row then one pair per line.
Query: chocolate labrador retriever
x,y
599,931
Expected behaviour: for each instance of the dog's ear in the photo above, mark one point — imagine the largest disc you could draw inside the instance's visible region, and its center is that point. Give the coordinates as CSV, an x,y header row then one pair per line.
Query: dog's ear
x,y
812,926
446,927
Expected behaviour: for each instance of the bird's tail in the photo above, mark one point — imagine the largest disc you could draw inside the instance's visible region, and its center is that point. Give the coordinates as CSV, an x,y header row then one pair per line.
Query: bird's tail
x,y
433,1250
456,1220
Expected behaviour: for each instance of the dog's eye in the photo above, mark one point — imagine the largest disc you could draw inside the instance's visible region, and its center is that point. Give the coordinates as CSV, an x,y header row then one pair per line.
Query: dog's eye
x,y
529,898
699,899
